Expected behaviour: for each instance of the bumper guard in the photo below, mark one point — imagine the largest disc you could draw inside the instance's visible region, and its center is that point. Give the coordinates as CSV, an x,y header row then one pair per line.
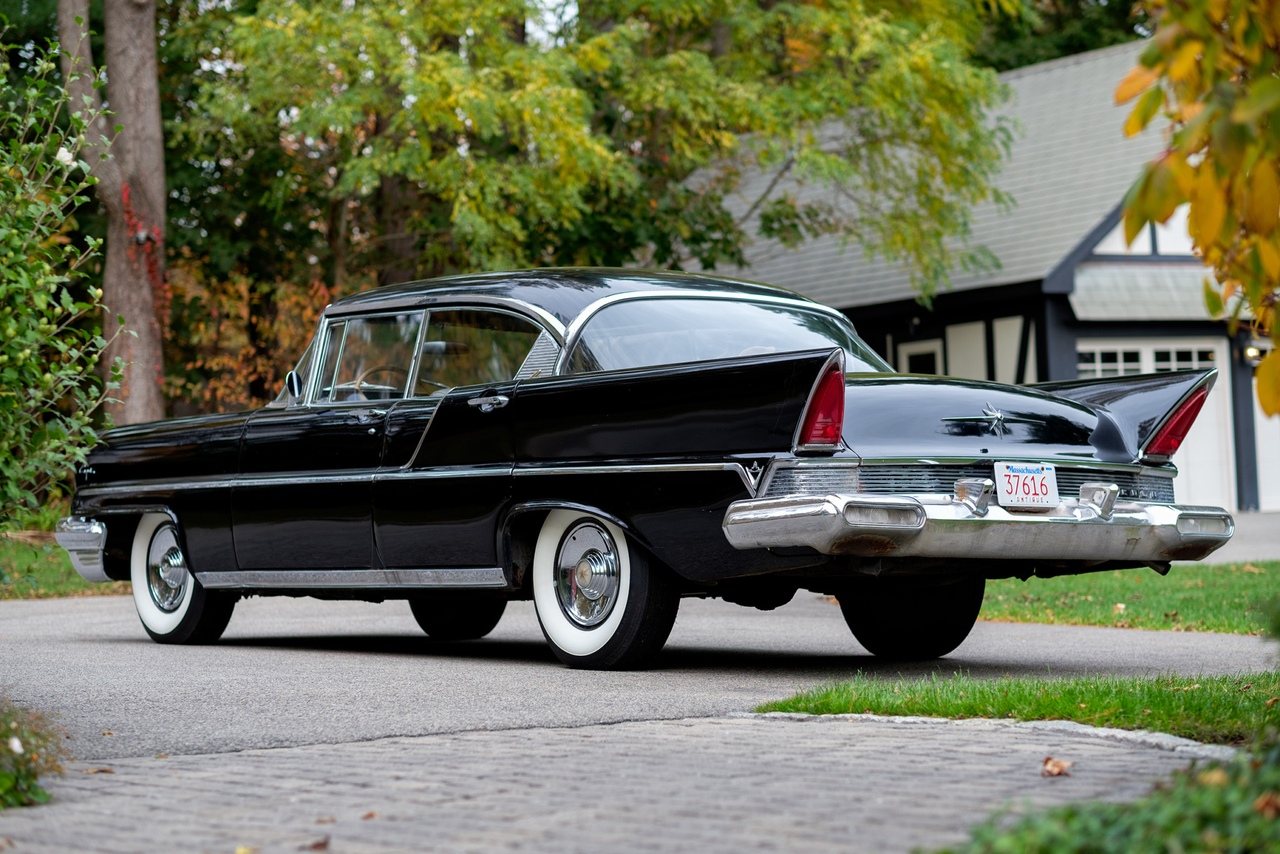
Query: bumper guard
x,y
84,539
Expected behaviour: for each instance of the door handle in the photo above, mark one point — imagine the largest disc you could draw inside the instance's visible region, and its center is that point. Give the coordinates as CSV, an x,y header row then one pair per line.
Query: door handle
x,y
489,403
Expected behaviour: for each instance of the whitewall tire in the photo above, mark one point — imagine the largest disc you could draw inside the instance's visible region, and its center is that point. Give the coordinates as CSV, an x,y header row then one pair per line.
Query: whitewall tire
x,y
172,605
602,603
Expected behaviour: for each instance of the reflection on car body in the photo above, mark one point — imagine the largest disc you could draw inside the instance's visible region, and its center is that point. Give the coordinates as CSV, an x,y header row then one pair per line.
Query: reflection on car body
x,y
605,442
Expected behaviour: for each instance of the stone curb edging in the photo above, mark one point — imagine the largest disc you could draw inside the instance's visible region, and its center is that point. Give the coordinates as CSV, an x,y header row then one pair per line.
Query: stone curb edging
x,y
1146,738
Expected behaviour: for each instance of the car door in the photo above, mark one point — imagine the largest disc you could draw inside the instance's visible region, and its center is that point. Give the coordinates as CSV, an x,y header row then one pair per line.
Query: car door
x,y
303,498
446,475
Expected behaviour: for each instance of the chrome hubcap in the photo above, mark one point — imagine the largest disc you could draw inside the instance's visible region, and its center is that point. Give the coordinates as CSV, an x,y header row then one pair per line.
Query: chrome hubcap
x,y
167,575
586,577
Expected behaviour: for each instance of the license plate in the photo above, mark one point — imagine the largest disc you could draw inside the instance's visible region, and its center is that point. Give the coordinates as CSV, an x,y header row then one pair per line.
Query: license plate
x,y
1026,485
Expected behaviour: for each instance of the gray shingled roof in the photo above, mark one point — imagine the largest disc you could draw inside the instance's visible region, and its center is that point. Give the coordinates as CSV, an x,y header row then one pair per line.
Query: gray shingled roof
x,y
1069,167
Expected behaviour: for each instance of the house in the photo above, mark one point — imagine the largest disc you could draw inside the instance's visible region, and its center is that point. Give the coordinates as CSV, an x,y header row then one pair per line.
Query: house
x,y
1070,299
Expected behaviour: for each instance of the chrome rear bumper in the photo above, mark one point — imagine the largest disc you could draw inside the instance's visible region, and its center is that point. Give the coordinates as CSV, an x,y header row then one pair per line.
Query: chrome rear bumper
x,y
1093,527
84,540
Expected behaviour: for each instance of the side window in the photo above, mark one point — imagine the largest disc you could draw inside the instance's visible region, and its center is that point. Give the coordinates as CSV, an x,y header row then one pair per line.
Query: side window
x,y
368,358
472,347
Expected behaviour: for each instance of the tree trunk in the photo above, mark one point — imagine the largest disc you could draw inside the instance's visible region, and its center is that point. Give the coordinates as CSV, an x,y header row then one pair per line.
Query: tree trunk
x,y
131,185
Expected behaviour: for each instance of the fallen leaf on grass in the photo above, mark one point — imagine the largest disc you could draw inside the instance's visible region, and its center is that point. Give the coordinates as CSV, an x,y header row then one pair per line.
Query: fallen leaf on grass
x,y
1267,805
1055,767
1118,608
97,771
1213,777
369,815
1272,701
1248,567
321,844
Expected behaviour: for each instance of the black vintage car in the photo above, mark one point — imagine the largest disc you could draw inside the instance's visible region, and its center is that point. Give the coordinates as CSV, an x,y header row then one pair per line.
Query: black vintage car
x,y
605,442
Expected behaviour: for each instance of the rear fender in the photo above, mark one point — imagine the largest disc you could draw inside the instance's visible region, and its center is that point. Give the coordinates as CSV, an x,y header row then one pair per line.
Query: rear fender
x,y
710,409
1132,409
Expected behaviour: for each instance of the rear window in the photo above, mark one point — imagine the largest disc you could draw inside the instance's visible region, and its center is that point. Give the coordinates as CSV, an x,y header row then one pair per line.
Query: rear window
x,y
649,332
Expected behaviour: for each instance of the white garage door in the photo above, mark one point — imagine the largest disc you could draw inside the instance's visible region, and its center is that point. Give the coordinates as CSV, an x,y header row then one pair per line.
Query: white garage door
x,y
1267,431
1207,459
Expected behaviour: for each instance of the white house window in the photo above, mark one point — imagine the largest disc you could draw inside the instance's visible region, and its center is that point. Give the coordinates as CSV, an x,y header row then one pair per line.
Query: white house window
x,y
1168,239
1095,362
1183,360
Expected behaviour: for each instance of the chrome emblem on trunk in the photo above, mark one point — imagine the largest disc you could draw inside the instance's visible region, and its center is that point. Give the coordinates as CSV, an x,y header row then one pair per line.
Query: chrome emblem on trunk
x,y
996,421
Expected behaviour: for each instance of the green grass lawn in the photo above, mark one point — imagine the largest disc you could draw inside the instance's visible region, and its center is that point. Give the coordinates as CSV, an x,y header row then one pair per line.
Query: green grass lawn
x,y
1214,709
1226,598
39,569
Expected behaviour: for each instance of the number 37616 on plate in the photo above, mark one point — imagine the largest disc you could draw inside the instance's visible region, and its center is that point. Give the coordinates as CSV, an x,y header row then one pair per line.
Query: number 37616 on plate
x,y
1027,485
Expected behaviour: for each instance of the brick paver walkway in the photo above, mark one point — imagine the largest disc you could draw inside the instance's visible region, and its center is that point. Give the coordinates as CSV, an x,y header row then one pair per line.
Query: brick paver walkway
x,y
855,783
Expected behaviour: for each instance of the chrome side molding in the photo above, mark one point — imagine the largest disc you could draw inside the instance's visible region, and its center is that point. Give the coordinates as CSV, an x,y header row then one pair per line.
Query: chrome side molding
x,y
381,579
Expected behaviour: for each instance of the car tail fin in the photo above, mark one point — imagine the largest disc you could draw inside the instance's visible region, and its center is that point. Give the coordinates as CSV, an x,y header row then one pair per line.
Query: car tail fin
x,y
1140,417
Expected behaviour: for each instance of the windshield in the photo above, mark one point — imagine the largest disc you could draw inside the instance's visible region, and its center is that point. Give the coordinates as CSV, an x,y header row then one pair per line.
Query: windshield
x,y
648,332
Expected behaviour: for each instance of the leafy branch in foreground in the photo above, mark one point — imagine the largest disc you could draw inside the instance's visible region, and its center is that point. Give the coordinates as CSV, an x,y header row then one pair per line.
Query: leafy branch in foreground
x,y
49,344
1213,70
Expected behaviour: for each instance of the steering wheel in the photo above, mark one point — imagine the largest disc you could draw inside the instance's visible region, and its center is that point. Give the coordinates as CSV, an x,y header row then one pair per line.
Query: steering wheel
x,y
439,386
376,369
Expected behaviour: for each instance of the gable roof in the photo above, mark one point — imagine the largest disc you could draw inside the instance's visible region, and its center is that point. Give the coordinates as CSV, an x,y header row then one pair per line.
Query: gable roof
x,y
1069,168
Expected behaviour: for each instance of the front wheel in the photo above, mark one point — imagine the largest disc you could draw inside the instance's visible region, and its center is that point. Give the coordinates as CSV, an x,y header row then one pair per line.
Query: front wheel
x,y
173,606
601,603
913,621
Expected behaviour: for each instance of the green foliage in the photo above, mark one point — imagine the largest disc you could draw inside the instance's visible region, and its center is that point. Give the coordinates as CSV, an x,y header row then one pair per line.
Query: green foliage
x,y
1048,29
1217,709
317,148
48,350
1224,598
30,746
1218,808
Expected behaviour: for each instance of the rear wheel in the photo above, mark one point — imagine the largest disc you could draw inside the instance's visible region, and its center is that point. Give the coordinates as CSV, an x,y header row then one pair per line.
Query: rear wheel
x,y
172,605
602,604
447,617
913,621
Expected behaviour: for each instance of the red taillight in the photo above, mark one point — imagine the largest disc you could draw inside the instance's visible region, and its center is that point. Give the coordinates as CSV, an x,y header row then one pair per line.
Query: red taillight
x,y
824,419
1170,437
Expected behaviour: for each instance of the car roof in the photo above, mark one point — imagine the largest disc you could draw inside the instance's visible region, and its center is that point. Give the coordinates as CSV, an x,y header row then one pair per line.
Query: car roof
x,y
561,293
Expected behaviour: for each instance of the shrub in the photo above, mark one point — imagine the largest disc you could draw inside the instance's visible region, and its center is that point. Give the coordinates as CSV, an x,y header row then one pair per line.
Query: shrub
x,y
50,343
30,745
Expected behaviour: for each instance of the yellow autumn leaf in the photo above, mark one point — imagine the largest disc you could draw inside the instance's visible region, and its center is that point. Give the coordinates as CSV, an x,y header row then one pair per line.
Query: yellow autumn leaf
x,y
1135,82
1186,62
1262,199
1268,377
1269,255
1208,207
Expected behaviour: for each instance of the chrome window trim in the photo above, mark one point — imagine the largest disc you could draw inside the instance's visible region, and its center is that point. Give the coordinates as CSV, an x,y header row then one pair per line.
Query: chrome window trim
x,y
574,330
426,303
383,579
464,307
309,392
